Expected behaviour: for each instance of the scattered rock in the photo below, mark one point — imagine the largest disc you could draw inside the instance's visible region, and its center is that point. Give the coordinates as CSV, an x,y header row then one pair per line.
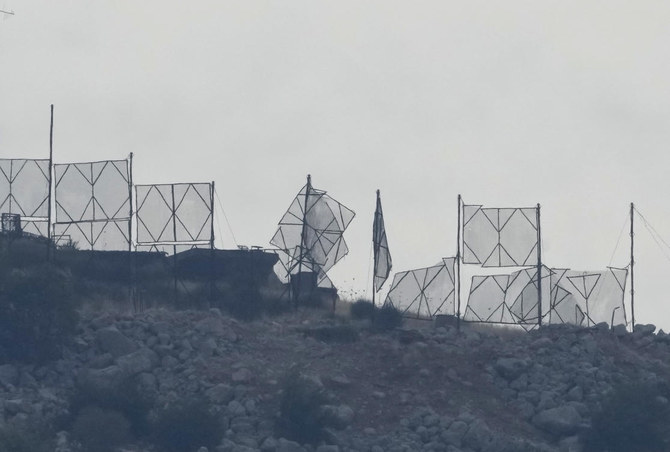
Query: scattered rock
x,y
111,340
9,375
242,375
336,416
142,360
284,445
644,330
511,368
560,421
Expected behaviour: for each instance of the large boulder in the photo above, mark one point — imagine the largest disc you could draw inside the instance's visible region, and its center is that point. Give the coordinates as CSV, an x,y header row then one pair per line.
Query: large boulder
x,y
284,445
220,394
210,325
336,416
9,375
478,435
106,378
455,433
644,330
113,341
511,368
560,421
142,360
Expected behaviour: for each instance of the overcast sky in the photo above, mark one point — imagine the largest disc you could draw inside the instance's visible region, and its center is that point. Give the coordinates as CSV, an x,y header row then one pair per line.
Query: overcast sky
x,y
562,103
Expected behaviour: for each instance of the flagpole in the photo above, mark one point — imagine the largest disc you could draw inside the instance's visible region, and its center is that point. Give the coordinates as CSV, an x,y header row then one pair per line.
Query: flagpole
x,y
375,247
458,267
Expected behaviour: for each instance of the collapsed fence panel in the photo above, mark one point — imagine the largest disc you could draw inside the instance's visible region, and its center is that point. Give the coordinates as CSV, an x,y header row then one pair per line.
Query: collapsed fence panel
x,y
24,191
92,203
310,236
507,299
174,225
573,297
424,292
587,298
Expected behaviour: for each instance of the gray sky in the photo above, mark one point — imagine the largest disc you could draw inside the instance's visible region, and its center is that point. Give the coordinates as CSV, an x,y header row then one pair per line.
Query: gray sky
x,y
565,103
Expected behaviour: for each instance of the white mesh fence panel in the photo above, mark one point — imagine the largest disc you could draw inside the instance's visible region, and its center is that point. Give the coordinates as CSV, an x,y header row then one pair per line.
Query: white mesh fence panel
x,y
424,292
24,190
92,203
499,237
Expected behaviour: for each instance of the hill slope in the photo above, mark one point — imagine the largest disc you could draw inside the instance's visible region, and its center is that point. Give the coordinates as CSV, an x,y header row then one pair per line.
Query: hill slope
x,y
416,388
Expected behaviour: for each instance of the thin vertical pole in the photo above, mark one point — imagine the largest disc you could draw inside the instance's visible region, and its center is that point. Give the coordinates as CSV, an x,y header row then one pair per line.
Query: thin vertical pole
x,y
174,246
308,187
130,200
539,267
632,264
51,158
131,258
458,267
212,276
11,179
91,240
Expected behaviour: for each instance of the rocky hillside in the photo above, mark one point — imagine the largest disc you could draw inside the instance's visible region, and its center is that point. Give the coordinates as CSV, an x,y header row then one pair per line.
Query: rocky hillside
x,y
410,389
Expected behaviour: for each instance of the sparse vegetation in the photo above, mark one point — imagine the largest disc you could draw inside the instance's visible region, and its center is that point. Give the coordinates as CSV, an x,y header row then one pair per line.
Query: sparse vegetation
x,y
126,398
633,417
25,439
37,313
362,309
342,333
387,318
98,429
300,408
244,303
185,426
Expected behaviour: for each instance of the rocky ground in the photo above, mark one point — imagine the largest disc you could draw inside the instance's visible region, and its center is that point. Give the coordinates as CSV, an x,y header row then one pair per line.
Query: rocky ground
x,y
411,389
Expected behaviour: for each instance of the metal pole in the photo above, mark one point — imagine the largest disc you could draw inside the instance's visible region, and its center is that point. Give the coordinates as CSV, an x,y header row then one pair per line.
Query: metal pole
x,y
92,239
302,239
458,267
632,264
212,256
174,245
130,199
51,157
131,258
539,268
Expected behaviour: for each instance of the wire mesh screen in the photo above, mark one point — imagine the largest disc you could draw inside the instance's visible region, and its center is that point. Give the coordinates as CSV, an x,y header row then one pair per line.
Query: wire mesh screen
x,y
508,299
587,298
24,190
310,236
499,237
580,298
93,204
174,233
424,292
174,214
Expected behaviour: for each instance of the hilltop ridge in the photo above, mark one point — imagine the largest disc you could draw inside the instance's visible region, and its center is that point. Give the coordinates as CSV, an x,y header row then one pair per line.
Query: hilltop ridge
x,y
414,388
